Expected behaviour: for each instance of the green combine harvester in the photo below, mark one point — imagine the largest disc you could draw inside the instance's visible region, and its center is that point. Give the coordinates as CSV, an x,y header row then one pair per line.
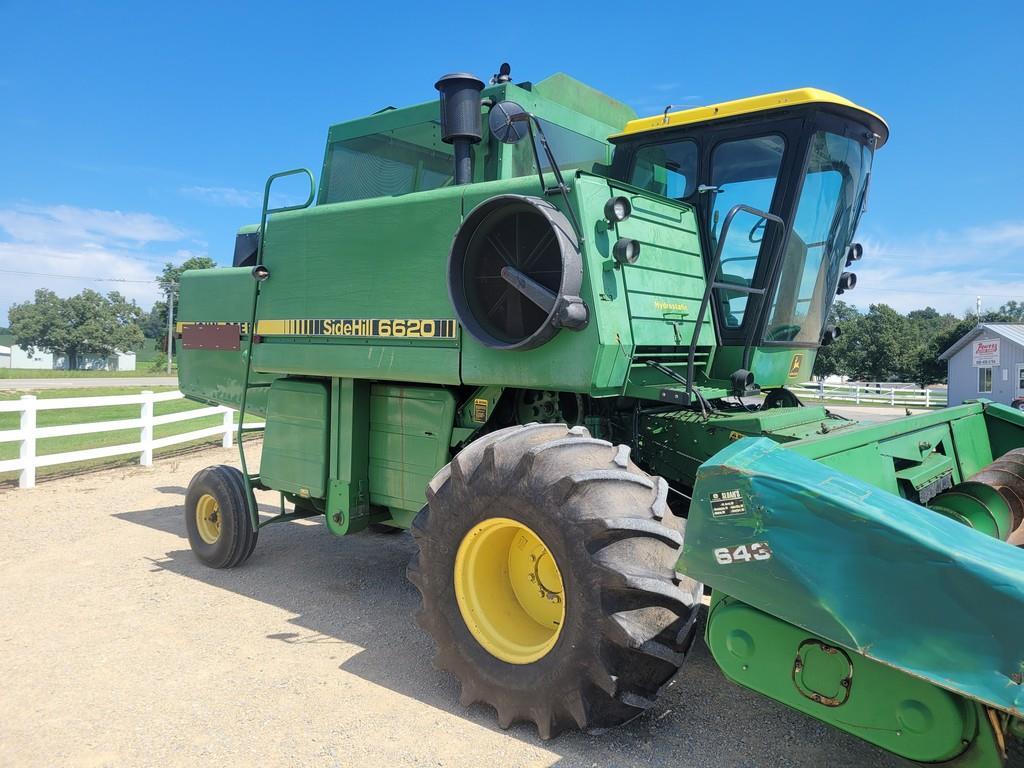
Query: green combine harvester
x,y
554,340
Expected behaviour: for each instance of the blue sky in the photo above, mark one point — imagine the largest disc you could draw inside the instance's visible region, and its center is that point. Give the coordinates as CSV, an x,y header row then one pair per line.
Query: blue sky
x,y
136,133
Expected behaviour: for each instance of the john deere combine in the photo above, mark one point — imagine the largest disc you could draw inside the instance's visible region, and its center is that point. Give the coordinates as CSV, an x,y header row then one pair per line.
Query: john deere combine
x,y
554,341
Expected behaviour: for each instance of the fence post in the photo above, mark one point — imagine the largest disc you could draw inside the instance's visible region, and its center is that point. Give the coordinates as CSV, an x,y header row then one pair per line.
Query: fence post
x,y
856,397
927,398
892,396
229,427
146,437
27,479
821,389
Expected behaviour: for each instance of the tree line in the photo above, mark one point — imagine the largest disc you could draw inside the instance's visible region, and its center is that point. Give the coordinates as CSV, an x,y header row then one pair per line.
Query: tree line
x,y
885,345
95,323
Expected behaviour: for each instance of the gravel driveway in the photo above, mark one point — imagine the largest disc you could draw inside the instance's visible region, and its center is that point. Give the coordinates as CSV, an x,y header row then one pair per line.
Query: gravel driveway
x,y
118,649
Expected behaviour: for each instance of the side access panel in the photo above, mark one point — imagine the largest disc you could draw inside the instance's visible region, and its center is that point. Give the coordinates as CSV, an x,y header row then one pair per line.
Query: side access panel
x,y
295,448
410,431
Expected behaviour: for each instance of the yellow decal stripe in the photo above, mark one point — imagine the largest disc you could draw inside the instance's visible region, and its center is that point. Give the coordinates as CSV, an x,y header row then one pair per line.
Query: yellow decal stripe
x,y
377,328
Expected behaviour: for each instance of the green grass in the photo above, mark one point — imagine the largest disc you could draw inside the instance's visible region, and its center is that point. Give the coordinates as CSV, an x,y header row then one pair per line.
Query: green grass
x,y
98,440
43,373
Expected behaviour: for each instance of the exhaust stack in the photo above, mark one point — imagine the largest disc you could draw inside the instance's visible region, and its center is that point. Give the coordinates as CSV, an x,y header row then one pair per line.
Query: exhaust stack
x,y
460,119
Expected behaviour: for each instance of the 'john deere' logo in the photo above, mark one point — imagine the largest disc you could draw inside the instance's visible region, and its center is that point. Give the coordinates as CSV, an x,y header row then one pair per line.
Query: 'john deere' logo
x,y
794,366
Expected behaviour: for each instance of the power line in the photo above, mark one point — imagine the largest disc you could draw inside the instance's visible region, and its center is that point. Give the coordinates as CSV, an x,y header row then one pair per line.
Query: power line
x,y
78,277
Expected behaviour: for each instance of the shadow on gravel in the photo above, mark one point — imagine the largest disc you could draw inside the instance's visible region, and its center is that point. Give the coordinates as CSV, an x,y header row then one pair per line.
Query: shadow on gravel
x,y
354,590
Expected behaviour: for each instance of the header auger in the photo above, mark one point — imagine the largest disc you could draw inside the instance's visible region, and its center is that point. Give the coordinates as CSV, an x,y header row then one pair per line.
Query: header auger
x,y
554,340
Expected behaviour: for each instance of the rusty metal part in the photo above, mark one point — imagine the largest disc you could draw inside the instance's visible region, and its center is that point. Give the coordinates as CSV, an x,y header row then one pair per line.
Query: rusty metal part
x,y
225,336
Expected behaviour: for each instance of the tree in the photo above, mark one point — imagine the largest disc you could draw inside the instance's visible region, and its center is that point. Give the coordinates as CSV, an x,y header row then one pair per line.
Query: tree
x,y
1012,312
170,278
154,323
927,331
882,344
86,323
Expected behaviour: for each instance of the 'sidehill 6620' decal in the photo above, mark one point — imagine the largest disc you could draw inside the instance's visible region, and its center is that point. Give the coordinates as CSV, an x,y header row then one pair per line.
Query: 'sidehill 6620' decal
x,y
360,328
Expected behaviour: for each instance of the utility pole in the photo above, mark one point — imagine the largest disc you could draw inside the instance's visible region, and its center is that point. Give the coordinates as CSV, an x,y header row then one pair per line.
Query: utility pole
x,y
977,306
170,328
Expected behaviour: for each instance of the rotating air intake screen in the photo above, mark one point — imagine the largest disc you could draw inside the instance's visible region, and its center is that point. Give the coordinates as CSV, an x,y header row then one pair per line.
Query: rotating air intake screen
x,y
514,273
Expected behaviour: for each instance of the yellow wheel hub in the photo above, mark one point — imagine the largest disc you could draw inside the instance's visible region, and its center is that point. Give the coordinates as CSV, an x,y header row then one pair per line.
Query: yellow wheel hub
x,y
509,590
208,519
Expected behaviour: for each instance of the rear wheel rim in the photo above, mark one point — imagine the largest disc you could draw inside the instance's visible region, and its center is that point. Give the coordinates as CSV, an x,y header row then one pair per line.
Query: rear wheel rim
x,y
509,590
208,518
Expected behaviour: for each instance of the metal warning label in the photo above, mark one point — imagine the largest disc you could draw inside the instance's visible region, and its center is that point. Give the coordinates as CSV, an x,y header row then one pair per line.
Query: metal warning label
x,y
725,503
480,410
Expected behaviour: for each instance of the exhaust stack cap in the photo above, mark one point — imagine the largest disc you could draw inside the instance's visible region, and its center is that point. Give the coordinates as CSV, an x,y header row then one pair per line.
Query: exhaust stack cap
x,y
460,107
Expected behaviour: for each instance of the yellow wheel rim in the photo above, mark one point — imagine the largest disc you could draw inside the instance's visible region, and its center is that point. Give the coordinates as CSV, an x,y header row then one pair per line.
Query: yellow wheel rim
x,y
208,519
509,590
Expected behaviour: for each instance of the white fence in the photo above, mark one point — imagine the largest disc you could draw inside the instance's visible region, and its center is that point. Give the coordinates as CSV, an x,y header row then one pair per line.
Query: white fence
x,y
28,434
861,392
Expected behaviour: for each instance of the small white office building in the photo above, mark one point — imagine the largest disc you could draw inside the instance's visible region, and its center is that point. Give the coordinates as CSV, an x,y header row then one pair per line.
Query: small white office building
x,y
987,363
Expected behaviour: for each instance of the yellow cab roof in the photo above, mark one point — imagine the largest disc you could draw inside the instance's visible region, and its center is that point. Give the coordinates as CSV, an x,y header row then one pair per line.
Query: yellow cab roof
x,y
764,103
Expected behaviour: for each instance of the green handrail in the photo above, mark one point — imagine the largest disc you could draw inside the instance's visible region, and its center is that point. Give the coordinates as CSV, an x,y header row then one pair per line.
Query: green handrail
x,y
267,211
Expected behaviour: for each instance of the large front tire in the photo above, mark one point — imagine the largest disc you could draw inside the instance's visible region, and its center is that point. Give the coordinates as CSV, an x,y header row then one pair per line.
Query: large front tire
x,y
615,620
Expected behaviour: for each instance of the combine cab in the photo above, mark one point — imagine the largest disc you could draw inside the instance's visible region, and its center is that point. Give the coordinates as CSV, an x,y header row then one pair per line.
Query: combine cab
x,y
561,359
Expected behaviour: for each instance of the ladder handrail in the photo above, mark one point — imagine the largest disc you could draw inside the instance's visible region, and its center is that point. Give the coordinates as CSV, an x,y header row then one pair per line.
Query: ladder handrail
x,y
247,479
713,283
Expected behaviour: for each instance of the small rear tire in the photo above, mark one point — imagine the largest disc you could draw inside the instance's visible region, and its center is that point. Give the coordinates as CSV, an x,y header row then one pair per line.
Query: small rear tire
x,y
220,530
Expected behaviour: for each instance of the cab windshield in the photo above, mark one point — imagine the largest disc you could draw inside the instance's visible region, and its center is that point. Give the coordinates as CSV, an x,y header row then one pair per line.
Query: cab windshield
x,y
831,200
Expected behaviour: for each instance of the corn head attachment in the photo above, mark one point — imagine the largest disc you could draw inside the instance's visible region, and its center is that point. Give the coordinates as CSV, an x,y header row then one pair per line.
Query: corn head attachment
x,y
837,594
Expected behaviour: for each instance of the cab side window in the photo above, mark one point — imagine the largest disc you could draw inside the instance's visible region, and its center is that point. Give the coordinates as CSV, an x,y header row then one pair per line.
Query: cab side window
x,y
669,170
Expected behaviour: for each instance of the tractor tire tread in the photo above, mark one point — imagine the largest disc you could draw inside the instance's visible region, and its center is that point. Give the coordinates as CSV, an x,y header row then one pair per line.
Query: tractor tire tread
x,y
614,532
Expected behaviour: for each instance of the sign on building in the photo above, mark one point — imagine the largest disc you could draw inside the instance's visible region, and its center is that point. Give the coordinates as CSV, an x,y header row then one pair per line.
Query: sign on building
x,y
986,353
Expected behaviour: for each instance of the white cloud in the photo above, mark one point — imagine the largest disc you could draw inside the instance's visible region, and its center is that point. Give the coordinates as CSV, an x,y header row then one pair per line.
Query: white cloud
x,y
69,224
68,249
28,266
946,269
223,196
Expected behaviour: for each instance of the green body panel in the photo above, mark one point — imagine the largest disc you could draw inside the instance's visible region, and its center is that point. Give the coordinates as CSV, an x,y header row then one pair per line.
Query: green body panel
x,y
579,98
211,376
363,267
773,366
665,286
409,436
599,359
295,450
905,715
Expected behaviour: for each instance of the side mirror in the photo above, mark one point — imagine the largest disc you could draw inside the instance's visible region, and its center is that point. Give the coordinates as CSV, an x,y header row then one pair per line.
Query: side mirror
x,y
508,122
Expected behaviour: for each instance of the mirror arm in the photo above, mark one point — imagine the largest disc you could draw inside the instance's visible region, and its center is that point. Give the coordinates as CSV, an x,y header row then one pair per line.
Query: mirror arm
x,y
532,120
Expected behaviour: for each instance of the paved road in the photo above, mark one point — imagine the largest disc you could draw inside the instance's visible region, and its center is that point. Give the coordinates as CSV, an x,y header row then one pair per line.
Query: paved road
x,y
86,382
118,649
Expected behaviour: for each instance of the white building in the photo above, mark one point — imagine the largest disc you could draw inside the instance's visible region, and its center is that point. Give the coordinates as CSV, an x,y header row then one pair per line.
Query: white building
x,y
987,363
47,361
5,357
